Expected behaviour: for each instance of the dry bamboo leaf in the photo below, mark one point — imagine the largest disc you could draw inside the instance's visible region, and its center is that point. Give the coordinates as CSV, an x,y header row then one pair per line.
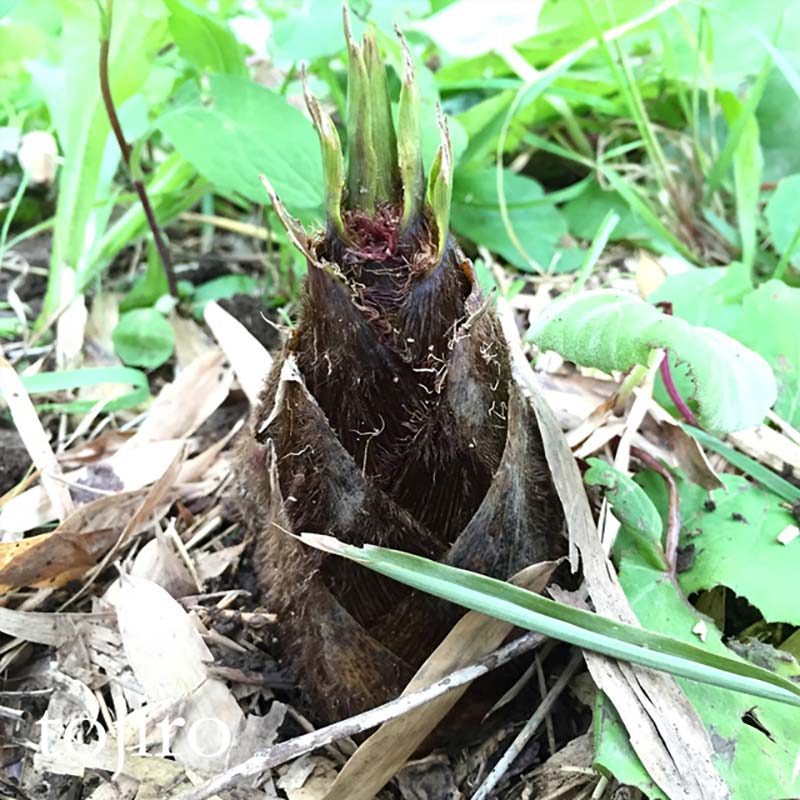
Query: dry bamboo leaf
x,y
665,730
51,628
185,404
191,341
381,756
249,358
308,778
213,564
74,758
770,447
668,441
51,559
157,562
125,470
169,659
35,438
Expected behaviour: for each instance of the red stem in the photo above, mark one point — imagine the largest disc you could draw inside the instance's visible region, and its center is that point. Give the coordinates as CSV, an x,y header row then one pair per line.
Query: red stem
x,y
674,394
666,376
673,507
125,148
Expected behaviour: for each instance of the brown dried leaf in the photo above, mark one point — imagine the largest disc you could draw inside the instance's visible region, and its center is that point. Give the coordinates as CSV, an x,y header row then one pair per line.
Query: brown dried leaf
x,y
35,438
52,559
381,756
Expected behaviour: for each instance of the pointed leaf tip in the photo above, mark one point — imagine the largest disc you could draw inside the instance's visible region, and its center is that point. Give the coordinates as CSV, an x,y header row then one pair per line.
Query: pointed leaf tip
x,y
440,184
332,159
295,230
409,138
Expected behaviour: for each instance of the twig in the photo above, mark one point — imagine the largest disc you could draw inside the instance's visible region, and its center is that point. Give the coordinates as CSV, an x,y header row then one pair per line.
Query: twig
x,y
531,726
548,722
285,751
125,148
673,507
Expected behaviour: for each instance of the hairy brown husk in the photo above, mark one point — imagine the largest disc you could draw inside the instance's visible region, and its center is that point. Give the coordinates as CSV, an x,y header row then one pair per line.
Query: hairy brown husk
x,y
390,417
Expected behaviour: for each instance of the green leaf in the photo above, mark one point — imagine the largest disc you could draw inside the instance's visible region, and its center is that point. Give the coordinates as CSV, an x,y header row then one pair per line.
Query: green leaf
x,y
613,753
72,92
241,130
783,216
733,387
220,288
736,543
748,166
148,287
203,40
573,625
49,382
476,215
586,212
754,764
143,338
631,506
314,29
778,117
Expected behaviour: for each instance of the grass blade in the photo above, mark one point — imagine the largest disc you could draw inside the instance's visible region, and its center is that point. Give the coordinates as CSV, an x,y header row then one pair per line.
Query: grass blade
x,y
765,476
575,626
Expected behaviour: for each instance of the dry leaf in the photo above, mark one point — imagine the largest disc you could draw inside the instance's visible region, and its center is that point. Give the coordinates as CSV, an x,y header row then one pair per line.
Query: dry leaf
x,y
308,778
185,404
191,341
169,659
35,438
51,559
125,470
51,628
381,756
249,358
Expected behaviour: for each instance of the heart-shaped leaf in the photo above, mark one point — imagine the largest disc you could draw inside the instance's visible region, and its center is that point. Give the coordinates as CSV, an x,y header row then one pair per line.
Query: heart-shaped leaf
x,y
733,386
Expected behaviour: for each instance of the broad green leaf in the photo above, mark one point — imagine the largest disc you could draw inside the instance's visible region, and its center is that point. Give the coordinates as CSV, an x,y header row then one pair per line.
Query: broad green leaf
x,y
631,506
573,625
220,288
463,29
613,753
763,320
203,39
143,338
733,387
735,540
314,28
476,215
148,287
241,130
778,117
754,764
585,213
783,216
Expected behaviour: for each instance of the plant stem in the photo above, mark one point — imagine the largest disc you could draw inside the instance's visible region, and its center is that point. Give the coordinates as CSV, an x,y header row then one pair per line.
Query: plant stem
x,y
125,148
669,384
673,506
674,394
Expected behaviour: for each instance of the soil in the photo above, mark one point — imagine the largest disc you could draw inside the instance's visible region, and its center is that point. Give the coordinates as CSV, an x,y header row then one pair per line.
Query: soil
x,y
15,461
